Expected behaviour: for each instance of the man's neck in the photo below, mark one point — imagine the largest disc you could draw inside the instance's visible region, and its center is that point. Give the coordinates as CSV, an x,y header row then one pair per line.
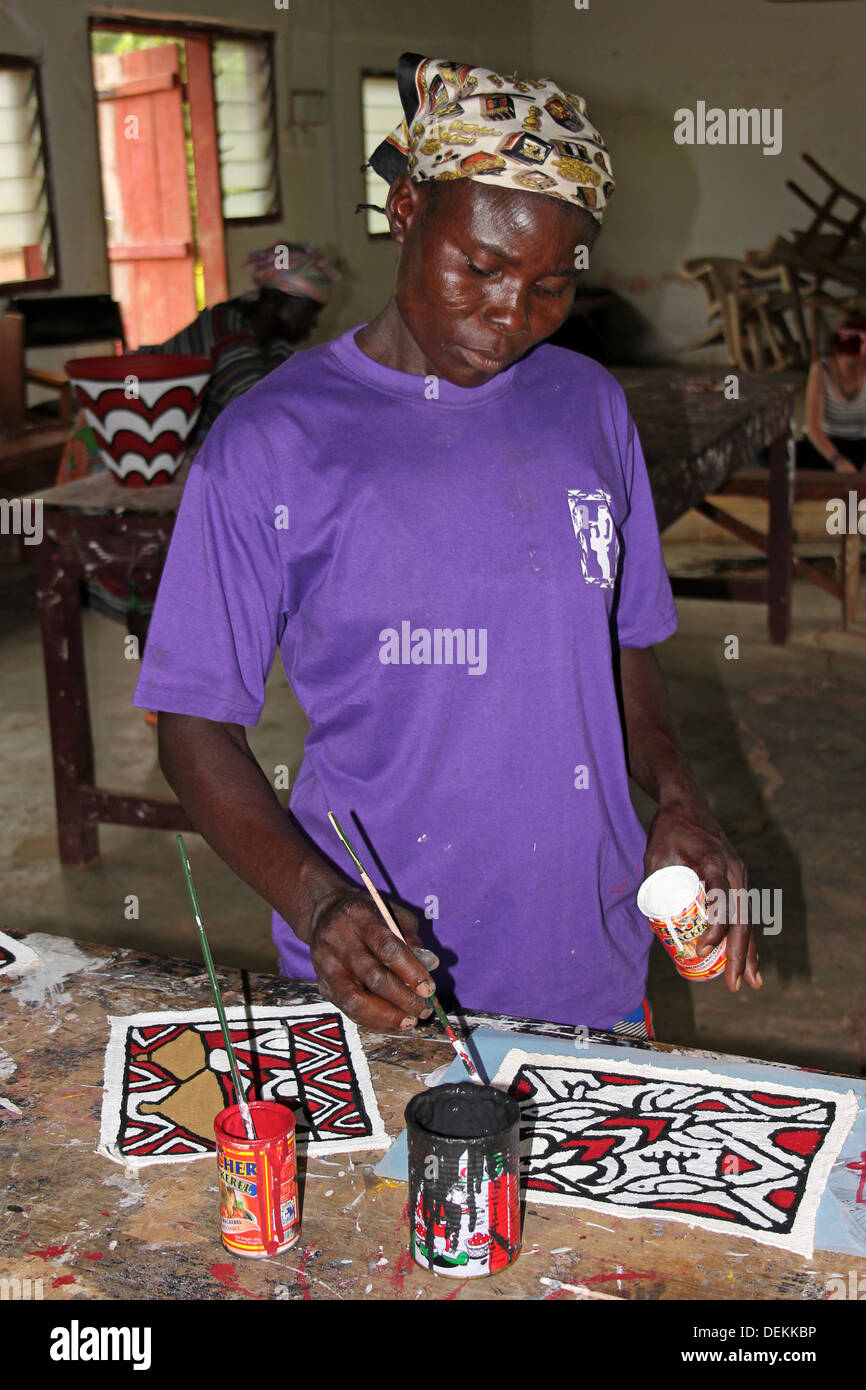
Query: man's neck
x,y
388,341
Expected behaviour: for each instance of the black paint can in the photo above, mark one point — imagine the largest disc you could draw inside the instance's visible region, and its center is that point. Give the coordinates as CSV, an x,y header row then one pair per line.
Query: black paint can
x,y
464,1179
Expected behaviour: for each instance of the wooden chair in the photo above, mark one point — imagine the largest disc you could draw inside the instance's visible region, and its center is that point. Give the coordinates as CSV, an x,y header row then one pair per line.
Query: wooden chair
x,y
30,448
67,321
830,234
15,416
827,259
32,437
812,295
748,308
703,270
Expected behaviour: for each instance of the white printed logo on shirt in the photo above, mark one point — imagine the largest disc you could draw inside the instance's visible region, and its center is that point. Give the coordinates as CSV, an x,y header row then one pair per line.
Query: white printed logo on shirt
x,y
592,519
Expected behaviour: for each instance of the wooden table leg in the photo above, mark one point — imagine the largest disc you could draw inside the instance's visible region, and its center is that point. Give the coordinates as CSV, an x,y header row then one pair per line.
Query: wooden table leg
x,y
59,599
781,553
849,578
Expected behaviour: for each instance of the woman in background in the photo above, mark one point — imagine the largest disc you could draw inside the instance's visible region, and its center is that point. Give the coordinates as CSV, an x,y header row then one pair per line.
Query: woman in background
x,y
835,429
249,336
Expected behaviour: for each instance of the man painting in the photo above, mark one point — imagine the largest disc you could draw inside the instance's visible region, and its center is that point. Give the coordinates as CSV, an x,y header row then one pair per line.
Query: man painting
x,y
426,462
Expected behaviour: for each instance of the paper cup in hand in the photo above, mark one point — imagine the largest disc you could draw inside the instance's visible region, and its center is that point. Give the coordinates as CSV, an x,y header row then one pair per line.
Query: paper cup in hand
x,y
674,902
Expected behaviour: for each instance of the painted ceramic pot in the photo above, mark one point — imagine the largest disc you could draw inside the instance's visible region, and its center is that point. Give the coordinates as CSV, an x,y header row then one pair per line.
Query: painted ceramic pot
x,y
143,408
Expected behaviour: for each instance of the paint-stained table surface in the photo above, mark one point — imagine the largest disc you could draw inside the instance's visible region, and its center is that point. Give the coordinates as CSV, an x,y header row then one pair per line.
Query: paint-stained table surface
x,y
89,1229
694,436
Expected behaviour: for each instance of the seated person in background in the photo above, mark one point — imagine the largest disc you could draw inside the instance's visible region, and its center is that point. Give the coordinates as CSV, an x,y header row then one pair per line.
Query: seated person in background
x,y
249,336
835,433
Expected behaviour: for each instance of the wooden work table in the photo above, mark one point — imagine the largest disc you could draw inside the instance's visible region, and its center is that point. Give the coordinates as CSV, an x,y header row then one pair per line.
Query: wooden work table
x,y
91,1230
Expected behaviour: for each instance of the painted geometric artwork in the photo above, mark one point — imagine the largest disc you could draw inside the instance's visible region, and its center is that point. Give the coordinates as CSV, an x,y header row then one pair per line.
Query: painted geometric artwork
x,y
719,1152
14,955
167,1075
142,409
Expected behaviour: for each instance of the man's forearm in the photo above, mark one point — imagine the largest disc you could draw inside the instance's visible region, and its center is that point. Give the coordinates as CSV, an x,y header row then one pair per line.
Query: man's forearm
x,y
655,759
233,805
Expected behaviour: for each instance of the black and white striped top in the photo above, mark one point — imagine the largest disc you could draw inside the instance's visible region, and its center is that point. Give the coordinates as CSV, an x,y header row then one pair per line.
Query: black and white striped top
x,y
844,418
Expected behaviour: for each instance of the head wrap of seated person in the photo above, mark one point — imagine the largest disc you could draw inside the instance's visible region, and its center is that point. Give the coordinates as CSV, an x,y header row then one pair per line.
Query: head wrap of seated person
x,y
294,283
463,122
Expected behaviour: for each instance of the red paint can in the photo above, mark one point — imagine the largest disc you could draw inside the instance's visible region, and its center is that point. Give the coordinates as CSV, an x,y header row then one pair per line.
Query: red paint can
x,y
258,1180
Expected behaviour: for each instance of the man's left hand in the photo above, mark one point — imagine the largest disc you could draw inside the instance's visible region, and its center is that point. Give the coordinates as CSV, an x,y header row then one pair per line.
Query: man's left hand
x,y
684,832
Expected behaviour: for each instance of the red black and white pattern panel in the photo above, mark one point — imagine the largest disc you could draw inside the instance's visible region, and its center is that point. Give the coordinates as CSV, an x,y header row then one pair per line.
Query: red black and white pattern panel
x,y
168,1075
716,1151
15,955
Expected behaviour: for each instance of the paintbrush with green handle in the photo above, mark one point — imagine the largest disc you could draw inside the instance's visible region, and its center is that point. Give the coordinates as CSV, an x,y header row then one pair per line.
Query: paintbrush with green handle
x,y
240,1095
388,919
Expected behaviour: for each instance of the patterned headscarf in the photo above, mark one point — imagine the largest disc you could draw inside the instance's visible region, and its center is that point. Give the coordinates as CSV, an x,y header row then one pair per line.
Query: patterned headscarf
x,y
298,270
470,123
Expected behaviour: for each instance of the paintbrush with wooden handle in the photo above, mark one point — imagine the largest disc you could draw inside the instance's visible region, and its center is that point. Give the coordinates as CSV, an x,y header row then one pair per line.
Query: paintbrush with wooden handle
x,y
388,919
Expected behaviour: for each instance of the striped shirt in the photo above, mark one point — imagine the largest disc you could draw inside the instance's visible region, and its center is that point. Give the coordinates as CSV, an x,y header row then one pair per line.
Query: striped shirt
x,y
846,419
240,360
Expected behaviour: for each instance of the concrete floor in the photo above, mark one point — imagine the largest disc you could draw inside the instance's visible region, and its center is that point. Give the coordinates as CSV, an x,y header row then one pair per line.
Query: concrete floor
x,y
775,737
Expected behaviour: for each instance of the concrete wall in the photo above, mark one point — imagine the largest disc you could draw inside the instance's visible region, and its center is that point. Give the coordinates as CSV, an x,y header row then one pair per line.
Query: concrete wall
x,y
637,63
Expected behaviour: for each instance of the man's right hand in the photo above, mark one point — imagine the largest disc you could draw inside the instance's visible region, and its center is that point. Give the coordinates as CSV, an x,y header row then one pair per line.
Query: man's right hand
x,y
364,969
361,966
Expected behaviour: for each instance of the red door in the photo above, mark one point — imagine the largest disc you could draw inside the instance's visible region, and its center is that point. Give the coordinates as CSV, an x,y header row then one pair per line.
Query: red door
x,y
146,184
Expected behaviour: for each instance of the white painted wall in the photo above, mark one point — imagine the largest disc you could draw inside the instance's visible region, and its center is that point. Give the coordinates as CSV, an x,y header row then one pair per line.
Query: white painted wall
x,y
637,62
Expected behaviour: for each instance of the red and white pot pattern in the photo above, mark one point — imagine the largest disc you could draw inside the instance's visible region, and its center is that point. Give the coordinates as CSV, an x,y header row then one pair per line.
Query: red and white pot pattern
x,y
142,408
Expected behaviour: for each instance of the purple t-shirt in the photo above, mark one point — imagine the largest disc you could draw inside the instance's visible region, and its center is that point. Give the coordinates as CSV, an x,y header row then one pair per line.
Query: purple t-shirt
x,y
446,571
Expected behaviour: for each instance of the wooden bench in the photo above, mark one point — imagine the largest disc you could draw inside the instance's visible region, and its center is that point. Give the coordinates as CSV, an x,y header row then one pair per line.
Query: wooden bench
x,y
809,485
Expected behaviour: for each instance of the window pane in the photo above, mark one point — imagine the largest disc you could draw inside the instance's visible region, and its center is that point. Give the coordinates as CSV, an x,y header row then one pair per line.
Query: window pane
x,y
26,251
381,113
243,91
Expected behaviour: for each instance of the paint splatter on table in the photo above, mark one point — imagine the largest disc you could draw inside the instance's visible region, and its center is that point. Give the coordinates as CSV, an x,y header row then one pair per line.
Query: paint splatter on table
x,y
87,1228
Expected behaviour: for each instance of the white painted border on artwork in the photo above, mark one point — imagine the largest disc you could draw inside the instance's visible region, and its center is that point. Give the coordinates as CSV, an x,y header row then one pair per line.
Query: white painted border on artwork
x,y
800,1240
25,956
115,1062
